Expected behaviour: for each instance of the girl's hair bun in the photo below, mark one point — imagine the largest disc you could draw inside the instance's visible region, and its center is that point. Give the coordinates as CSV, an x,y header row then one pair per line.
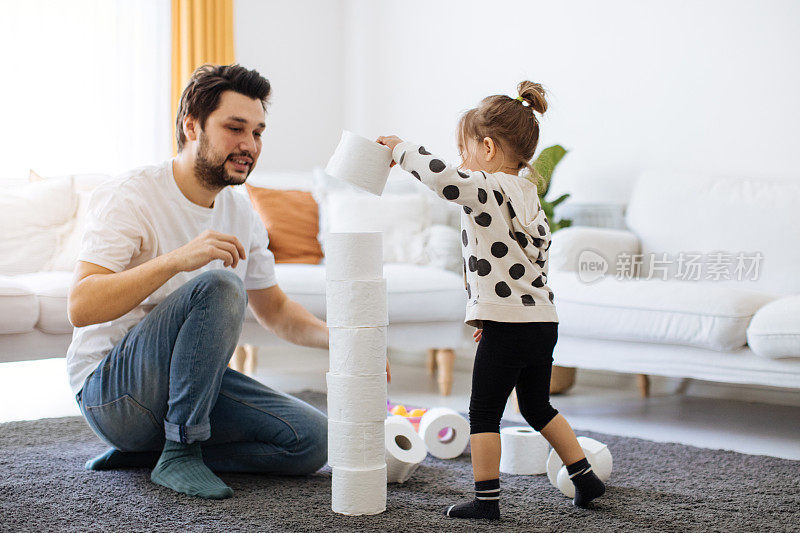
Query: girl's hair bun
x,y
533,94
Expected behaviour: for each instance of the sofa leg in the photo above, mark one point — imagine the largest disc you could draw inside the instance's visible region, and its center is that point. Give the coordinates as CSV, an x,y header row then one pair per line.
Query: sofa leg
x,y
430,364
444,361
251,359
643,382
237,360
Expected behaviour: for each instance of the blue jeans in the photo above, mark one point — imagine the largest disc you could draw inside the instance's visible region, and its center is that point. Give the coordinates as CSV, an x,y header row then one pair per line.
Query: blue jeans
x,y
168,378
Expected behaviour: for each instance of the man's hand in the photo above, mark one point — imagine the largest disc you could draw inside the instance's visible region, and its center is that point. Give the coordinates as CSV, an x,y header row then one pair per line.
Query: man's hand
x,y
477,335
206,247
390,141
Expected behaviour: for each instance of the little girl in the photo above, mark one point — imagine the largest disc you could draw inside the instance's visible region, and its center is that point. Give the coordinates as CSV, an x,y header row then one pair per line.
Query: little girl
x,y
506,238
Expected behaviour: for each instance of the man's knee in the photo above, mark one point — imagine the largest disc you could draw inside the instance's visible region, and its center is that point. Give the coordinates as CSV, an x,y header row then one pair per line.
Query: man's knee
x,y
226,286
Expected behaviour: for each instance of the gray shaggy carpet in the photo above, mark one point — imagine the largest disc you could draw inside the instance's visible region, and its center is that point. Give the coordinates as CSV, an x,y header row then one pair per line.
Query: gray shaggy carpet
x,y
654,487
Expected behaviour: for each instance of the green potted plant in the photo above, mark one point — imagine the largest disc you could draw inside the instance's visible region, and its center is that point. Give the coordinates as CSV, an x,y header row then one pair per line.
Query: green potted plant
x,y
543,167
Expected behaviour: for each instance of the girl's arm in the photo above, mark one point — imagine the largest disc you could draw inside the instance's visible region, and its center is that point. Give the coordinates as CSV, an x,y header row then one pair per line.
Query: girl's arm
x,y
463,187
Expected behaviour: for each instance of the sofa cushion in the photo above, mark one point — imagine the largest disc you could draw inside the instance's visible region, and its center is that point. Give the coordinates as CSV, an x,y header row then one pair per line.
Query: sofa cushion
x,y
19,308
292,221
415,293
51,290
706,215
775,329
36,218
701,314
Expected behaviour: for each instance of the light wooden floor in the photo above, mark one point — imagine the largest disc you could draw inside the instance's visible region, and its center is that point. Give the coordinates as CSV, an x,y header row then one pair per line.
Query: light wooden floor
x,y
38,389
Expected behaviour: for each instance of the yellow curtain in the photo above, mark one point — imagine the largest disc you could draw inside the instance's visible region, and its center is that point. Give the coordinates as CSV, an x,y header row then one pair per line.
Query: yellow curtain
x,y
202,32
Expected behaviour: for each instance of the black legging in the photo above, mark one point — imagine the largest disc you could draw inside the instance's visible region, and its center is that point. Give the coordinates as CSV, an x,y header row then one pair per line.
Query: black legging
x,y
509,355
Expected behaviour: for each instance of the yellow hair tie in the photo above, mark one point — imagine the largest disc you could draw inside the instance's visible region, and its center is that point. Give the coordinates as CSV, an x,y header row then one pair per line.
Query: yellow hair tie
x,y
519,98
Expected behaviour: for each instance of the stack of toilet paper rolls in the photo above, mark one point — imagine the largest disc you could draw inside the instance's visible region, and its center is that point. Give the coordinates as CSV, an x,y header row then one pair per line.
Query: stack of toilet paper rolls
x,y
357,317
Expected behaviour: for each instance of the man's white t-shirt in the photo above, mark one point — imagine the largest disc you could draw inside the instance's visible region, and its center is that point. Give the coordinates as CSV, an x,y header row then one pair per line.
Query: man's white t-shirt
x,y
143,214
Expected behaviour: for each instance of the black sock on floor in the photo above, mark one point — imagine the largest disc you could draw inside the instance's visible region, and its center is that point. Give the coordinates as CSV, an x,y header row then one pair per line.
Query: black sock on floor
x,y
587,485
113,458
485,505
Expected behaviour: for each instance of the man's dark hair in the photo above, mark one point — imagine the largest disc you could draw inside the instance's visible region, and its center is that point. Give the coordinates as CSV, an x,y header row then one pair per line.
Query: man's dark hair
x,y
201,96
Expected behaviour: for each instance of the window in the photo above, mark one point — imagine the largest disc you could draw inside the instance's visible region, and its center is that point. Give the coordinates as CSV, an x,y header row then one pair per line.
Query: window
x,y
85,86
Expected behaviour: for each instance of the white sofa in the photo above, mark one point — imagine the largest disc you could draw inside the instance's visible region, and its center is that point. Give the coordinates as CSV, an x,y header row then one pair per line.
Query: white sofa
x,y
726,330
426,301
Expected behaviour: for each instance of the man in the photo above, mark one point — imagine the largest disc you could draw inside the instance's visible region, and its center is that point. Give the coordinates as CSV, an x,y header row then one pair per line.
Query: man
x,y
170,260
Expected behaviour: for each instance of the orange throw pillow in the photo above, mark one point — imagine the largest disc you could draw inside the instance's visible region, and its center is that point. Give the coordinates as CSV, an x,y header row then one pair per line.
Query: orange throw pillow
x,y
292,222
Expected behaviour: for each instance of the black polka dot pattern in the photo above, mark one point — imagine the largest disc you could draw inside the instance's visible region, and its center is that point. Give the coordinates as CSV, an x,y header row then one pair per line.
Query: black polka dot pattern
x,y
527,300
484,267
538,282
502,290
538,242
540,263
436,165
551,296
511,210
499,197
482,196
463,174
467,209
541,229
473,263
521,238
464,236
416,175
402,157
516,271
499,249
423,151
484,219
469,292
450,192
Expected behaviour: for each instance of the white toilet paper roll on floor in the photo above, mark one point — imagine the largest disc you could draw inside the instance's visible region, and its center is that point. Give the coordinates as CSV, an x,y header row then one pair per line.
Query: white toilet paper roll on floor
x,y
356,445
357,351
361,162
354,255
598,455
405,449
356,303
454,430
356,398
358,491
524,451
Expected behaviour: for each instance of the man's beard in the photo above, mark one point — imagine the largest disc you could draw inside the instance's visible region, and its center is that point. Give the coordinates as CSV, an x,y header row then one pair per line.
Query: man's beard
x,y
213,175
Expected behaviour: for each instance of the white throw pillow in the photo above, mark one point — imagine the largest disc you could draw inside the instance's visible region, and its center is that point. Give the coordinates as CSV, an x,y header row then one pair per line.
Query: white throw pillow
x,y
35,219
401,217
67,255
774,330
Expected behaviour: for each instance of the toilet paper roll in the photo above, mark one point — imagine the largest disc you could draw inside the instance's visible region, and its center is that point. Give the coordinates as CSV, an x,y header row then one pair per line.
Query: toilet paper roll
x,y
358,491
357,351
452,442
524,451
356,303
361,162
405,449
598,455
356,398
354,255
356,445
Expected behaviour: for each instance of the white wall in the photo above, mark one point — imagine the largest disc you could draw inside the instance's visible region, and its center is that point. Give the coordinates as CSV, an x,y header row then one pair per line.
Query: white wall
x,y
696,85
297,46
700,85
